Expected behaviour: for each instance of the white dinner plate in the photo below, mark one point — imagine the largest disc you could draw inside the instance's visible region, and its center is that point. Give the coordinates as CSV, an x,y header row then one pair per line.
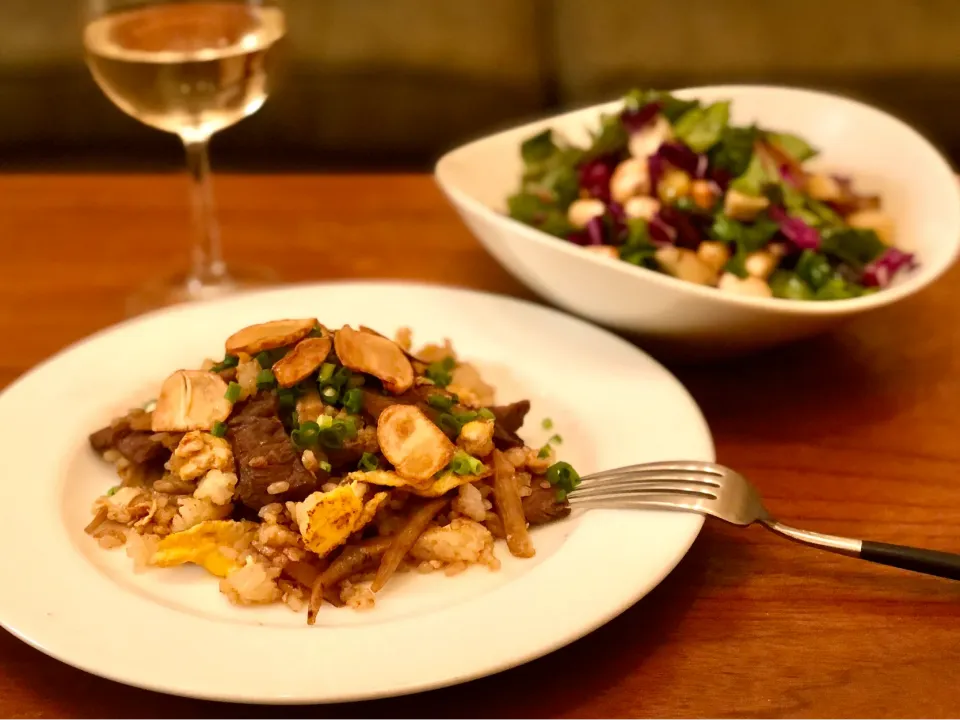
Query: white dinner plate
x,y
171,630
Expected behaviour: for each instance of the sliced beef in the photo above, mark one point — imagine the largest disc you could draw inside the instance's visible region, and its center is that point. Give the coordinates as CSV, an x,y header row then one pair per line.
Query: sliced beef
x,y
145,447
265,455
132,437
542,506
504,439
103,439
264,405
509,419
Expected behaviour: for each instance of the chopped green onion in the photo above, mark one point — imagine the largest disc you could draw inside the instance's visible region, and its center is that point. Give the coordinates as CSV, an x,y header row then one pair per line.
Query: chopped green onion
x,y
563,476
294,418
486,414
350,423
353,400
324,465
341,377
464,464
113,491
561,494
269,358
547,424
306,435
368,461
287,398
440,372
265,380
544,452
326,372
331,438
556,440
465,417
330,395
449,424
324,421
316,332
440,402
334,435
219,429
229,361
233,392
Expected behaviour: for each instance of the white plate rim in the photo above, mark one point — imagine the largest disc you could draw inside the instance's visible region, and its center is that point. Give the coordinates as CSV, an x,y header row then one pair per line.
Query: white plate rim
x,y
561,638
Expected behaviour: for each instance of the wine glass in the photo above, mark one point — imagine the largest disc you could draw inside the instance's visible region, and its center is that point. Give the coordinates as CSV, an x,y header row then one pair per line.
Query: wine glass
x,y
189,67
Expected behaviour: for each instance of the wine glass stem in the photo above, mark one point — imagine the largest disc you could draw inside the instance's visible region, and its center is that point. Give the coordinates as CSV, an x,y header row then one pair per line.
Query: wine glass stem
x,y
208,267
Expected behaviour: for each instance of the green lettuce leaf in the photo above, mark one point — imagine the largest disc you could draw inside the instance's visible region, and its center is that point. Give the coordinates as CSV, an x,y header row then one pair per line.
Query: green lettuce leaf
x,y
735,149
538,148
788,285
814,269
793,145
744,237
754,179
700,128
855,246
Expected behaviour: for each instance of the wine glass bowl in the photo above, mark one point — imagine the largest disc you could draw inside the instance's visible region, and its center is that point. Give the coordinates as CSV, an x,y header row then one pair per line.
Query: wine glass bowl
x,y
192,68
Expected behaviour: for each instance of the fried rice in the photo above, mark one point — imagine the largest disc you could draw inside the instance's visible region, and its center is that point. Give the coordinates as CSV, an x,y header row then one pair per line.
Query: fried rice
x,y
309,466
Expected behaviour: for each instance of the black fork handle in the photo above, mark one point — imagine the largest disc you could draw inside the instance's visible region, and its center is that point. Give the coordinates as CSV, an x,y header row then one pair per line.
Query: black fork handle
x,y
930,562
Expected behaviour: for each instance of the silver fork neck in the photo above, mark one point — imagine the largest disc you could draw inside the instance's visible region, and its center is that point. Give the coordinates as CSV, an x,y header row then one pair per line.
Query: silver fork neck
x,y
835,543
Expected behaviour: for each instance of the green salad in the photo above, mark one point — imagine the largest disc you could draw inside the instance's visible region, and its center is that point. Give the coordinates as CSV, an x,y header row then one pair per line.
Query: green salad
x,y
672,185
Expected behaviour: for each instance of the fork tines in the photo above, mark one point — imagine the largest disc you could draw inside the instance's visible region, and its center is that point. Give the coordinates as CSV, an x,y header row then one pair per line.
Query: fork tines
x,y
680,478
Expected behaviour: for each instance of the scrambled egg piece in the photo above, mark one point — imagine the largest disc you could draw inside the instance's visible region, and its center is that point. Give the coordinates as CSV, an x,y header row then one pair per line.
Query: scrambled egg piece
x,y
203,544
207,460
199,452
327,519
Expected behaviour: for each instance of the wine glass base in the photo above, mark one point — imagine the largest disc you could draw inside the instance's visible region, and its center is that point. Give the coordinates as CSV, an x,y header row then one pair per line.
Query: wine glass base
x,y
182,288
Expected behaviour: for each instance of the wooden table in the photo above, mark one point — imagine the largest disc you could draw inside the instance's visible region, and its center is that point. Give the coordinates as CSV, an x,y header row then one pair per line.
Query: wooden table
x,y
853,433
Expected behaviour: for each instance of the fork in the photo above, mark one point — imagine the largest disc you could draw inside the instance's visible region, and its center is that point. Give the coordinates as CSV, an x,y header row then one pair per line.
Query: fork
x,y
712,489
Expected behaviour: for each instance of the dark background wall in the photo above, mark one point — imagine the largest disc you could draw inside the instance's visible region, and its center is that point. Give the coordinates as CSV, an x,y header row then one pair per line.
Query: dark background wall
x,y
373,84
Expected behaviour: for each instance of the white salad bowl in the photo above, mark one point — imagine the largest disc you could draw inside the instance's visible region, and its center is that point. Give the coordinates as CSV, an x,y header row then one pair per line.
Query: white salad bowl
x,y
881,153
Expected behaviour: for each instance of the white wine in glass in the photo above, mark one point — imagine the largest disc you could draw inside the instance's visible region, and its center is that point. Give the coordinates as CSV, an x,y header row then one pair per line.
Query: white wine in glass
x,y
190,68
